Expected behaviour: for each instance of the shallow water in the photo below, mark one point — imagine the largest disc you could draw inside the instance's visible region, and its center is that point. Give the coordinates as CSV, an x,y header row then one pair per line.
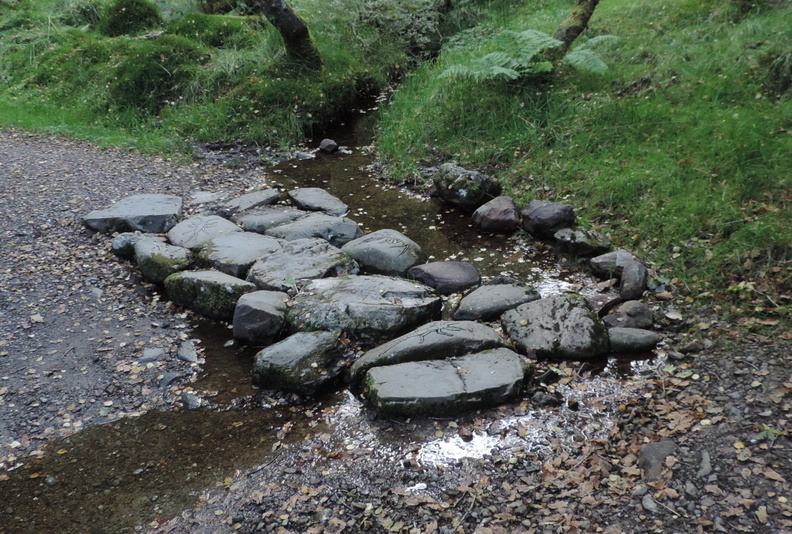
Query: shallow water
x,y
128,473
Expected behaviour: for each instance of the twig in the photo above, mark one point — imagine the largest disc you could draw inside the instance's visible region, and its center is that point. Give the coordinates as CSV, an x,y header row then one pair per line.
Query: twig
x,y
470,508
68,351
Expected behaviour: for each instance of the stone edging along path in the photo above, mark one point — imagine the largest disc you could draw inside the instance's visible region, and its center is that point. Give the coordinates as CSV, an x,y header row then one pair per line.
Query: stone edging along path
x,y
292,273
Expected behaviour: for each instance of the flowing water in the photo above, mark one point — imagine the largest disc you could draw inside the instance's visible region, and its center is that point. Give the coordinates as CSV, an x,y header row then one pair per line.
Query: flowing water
x,y
120,476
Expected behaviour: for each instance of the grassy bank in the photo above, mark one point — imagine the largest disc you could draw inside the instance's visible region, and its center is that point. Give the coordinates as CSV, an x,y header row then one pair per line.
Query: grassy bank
x,y
681,150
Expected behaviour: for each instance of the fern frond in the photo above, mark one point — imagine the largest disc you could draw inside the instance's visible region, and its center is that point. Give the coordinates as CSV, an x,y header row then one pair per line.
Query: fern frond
x,y
585,60
598,40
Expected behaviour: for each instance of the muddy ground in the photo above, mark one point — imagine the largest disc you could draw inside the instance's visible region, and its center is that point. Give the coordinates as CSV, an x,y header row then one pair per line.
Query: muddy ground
x,y
74,322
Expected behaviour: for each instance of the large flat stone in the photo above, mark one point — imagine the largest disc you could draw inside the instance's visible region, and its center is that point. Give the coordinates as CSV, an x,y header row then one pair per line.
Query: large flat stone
x,y
262,219
316,199
158,260
337,231
211,293
446,387
385,252
193,232
235,252
488,303
147,213
260,316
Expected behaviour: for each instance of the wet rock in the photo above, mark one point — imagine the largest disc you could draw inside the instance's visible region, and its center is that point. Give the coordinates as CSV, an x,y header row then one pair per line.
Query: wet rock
x,y
301,259
363,305
631,314
385,252
651,458
328,146
234,253
465,188
499,215
259,317
434,341
562,326
633,280
338,231
304,362
488,303
191,400
211,293
446,387
582,241
194,231
151,213
123,245
611,264
158,260
168,379
543,218
316,199
187,352
262,219
254,199
152,355
632,340
446,277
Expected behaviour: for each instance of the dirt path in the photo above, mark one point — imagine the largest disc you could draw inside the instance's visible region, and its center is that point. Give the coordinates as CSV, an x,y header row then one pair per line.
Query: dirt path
x,y
73,320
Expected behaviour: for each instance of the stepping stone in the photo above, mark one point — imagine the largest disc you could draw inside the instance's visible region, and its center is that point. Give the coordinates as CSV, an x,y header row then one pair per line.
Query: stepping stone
x,y
488,303
338,231
304,362
211,293
195,231
446,387
259,317
301,259
262,219
123,245
254,199
235,252
611,264
631,314
499,215
158,260
582,241
437,340
465,188
367,306
633,340
633,280
543,218
154,214
446,277
385,252
316,199
559,327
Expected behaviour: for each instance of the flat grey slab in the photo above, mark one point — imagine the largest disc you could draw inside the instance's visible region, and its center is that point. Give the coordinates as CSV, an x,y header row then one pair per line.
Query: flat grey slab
x,y
337,231
632,339
316,199
437,340
488,303
301,259
363,305
262,219
147,213
253,199
235,252
259,317
446,387
562,326
211,293
158,260
447,277
385,252
195,231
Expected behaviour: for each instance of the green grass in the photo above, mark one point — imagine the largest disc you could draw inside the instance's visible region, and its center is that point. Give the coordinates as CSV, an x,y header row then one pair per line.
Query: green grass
x,y
681,151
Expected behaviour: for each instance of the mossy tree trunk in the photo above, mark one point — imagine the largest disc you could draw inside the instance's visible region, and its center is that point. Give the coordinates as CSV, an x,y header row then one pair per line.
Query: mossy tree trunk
x,y
300,47
573,26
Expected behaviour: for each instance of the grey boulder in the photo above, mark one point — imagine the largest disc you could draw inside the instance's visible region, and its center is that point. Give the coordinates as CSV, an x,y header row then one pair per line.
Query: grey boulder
x,y
559,327
260,316
151,213
631,314
367,306
158,260
123,245
446,277
262,219
338,231
433,341
211,293
633,280
253,199
195,231
316,199
611,264
385,252
301,259
488,303
632,340
499,215
304,362
446,387
582,241
235,252
542,218
465,188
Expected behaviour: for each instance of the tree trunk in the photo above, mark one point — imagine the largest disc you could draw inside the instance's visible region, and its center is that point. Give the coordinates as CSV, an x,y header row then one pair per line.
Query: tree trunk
x,y
296,37
573,26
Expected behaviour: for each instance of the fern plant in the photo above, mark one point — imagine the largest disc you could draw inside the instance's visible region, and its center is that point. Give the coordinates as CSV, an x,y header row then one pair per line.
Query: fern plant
x,y
521,55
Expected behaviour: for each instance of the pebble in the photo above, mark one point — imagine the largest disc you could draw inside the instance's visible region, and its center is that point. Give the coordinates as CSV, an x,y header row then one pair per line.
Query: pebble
x,y
706,465
649,504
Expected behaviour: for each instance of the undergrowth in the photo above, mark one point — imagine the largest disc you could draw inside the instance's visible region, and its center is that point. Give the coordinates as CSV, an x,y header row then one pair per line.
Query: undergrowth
x,y
680,149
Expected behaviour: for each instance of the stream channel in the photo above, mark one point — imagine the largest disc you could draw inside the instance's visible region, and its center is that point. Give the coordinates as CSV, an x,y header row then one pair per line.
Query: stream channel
x,y
135,473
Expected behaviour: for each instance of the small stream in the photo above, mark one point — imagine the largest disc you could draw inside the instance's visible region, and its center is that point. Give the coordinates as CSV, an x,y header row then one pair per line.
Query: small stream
x,y
135,472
